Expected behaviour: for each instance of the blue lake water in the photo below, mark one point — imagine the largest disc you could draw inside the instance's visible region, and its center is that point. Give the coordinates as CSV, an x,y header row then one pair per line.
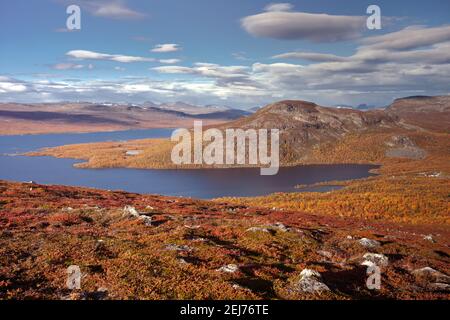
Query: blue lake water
x,y
207,183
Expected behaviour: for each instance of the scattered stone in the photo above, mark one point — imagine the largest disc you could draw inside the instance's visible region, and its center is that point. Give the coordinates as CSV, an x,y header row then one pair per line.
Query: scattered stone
x,y
349,237
297,230
192,227
147,220
431,175
133,152
368,263
257,229
310,282
376,258
369,243
241,288
429,237
229,268
326,254
431,275
130,211
175,247
279,226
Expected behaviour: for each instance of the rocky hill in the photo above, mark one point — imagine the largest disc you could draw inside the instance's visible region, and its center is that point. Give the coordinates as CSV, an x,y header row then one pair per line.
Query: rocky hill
x,y
305,126
430,113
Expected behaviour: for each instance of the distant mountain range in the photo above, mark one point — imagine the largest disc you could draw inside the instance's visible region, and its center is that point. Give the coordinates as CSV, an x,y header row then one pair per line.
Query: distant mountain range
x,y
302,123
20,118
187,108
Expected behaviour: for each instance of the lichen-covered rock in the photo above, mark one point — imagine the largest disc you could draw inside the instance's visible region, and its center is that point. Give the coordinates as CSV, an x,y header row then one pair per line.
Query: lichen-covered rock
x,y
130,211
258,229
229,268
429,237
369,243
310,282
376,258
175,247
429,275
147,220
279,226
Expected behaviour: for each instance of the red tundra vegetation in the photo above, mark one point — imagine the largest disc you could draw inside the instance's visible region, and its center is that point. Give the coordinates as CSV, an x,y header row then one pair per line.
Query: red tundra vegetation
x,y
131,246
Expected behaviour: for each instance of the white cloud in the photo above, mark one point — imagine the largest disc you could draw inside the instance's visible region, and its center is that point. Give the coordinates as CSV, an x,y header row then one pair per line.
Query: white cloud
x,y
311,56
115,9
424,46
240,56
169,61
167,47
8,85
223,75
412,37
67,66
174,69
91,55
279,7
298,25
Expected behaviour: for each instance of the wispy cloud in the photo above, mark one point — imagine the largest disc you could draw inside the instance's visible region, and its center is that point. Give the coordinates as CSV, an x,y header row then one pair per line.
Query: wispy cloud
x,y
167,47
67,66
240,56
279,7
10,85
115,9
169,61
311,56
223,74
412,37
91,55
279,22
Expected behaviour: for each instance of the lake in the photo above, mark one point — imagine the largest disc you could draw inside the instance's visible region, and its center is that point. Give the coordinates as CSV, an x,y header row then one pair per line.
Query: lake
x,y
205,184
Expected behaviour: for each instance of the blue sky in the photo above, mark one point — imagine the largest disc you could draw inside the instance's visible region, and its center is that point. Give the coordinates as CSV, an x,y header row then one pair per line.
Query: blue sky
x,y
236,53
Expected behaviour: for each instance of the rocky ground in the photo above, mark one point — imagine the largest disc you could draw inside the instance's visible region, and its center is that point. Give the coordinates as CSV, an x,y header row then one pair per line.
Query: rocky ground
x,y
132,246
